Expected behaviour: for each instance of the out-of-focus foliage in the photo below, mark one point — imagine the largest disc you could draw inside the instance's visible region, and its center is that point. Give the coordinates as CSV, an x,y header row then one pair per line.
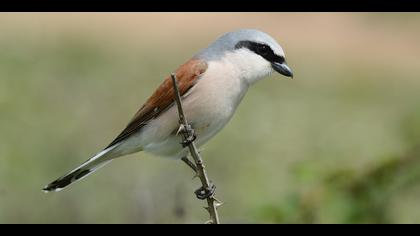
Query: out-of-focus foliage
x,y
338,144
350,196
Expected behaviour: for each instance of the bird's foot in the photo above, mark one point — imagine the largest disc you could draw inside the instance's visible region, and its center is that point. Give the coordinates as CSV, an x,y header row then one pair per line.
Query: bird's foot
x,y
191,137
204,193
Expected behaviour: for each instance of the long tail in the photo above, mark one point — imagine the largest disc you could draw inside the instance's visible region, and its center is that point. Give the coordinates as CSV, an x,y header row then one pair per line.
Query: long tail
x,y
87,168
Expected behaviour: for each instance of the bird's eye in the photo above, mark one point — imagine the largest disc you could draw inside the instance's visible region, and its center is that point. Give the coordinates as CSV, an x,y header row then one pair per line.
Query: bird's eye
x,y
263,49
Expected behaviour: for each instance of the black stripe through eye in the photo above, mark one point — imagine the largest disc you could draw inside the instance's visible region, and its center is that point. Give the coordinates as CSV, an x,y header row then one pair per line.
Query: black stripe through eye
x,y
261,49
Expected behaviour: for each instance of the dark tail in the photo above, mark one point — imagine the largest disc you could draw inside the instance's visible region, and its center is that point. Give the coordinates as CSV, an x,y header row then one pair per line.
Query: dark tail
x,y
82,171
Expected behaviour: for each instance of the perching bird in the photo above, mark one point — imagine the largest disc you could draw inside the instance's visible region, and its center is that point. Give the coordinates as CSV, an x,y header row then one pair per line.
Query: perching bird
x,y
212,84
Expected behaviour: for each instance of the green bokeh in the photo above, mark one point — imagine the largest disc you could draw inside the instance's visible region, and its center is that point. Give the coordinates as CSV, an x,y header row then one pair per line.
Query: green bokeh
x,y
338,144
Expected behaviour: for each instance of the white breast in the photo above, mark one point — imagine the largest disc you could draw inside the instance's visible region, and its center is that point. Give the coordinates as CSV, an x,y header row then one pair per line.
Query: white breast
x,y
208,107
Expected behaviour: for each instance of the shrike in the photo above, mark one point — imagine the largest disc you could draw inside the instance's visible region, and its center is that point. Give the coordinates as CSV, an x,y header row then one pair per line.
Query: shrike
x,y
212,84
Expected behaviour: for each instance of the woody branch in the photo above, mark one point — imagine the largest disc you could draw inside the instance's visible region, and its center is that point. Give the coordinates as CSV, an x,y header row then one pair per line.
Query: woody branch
x,y
187,132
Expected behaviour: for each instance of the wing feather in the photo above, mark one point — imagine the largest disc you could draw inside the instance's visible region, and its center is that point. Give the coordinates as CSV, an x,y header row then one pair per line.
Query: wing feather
x,y
187,75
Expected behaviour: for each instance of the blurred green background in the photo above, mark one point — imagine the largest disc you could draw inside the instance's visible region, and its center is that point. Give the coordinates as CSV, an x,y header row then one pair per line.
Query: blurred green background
x,y
338,144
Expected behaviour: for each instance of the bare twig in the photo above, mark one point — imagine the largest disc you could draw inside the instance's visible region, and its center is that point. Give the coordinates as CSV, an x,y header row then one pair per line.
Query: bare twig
x,y
189,163
187,133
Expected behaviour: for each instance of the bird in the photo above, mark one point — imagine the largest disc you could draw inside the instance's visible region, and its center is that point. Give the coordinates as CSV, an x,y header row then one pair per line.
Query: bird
x,y
212,84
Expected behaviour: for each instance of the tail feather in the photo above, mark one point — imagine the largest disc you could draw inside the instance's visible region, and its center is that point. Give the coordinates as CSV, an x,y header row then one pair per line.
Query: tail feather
x,y
87,168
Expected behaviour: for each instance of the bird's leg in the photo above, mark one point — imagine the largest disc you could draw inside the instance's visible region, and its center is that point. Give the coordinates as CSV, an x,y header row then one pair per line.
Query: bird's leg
x,y
190,164
204,193
190,136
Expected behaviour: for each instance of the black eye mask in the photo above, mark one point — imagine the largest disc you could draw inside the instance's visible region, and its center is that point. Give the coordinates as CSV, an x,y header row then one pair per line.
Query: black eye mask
x,y
261,49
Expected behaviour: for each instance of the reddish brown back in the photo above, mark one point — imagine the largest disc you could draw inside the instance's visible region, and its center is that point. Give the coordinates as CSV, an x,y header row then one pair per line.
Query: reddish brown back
x,y
187,75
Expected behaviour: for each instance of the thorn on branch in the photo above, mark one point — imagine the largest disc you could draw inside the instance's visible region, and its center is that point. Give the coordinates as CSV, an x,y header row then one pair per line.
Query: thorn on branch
x,y
207,191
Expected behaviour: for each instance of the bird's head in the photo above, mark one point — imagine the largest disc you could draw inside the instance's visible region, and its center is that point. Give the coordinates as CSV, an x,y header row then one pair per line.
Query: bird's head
x,y
254,53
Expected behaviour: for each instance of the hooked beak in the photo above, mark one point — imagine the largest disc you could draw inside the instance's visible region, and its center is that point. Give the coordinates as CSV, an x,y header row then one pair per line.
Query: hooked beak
x,y
283,69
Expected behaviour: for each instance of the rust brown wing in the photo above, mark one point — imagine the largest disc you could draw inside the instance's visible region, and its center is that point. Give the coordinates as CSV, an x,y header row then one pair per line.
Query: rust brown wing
x,y
187,75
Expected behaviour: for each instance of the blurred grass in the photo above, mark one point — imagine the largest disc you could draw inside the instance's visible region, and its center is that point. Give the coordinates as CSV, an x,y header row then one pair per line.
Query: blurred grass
x,y
339,144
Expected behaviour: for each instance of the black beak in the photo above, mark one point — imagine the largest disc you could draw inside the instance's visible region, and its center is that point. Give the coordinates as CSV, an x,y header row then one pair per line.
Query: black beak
x,y
283,69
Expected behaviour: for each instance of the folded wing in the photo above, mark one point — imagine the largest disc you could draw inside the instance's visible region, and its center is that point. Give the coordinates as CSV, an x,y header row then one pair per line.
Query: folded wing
x,y
187,75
